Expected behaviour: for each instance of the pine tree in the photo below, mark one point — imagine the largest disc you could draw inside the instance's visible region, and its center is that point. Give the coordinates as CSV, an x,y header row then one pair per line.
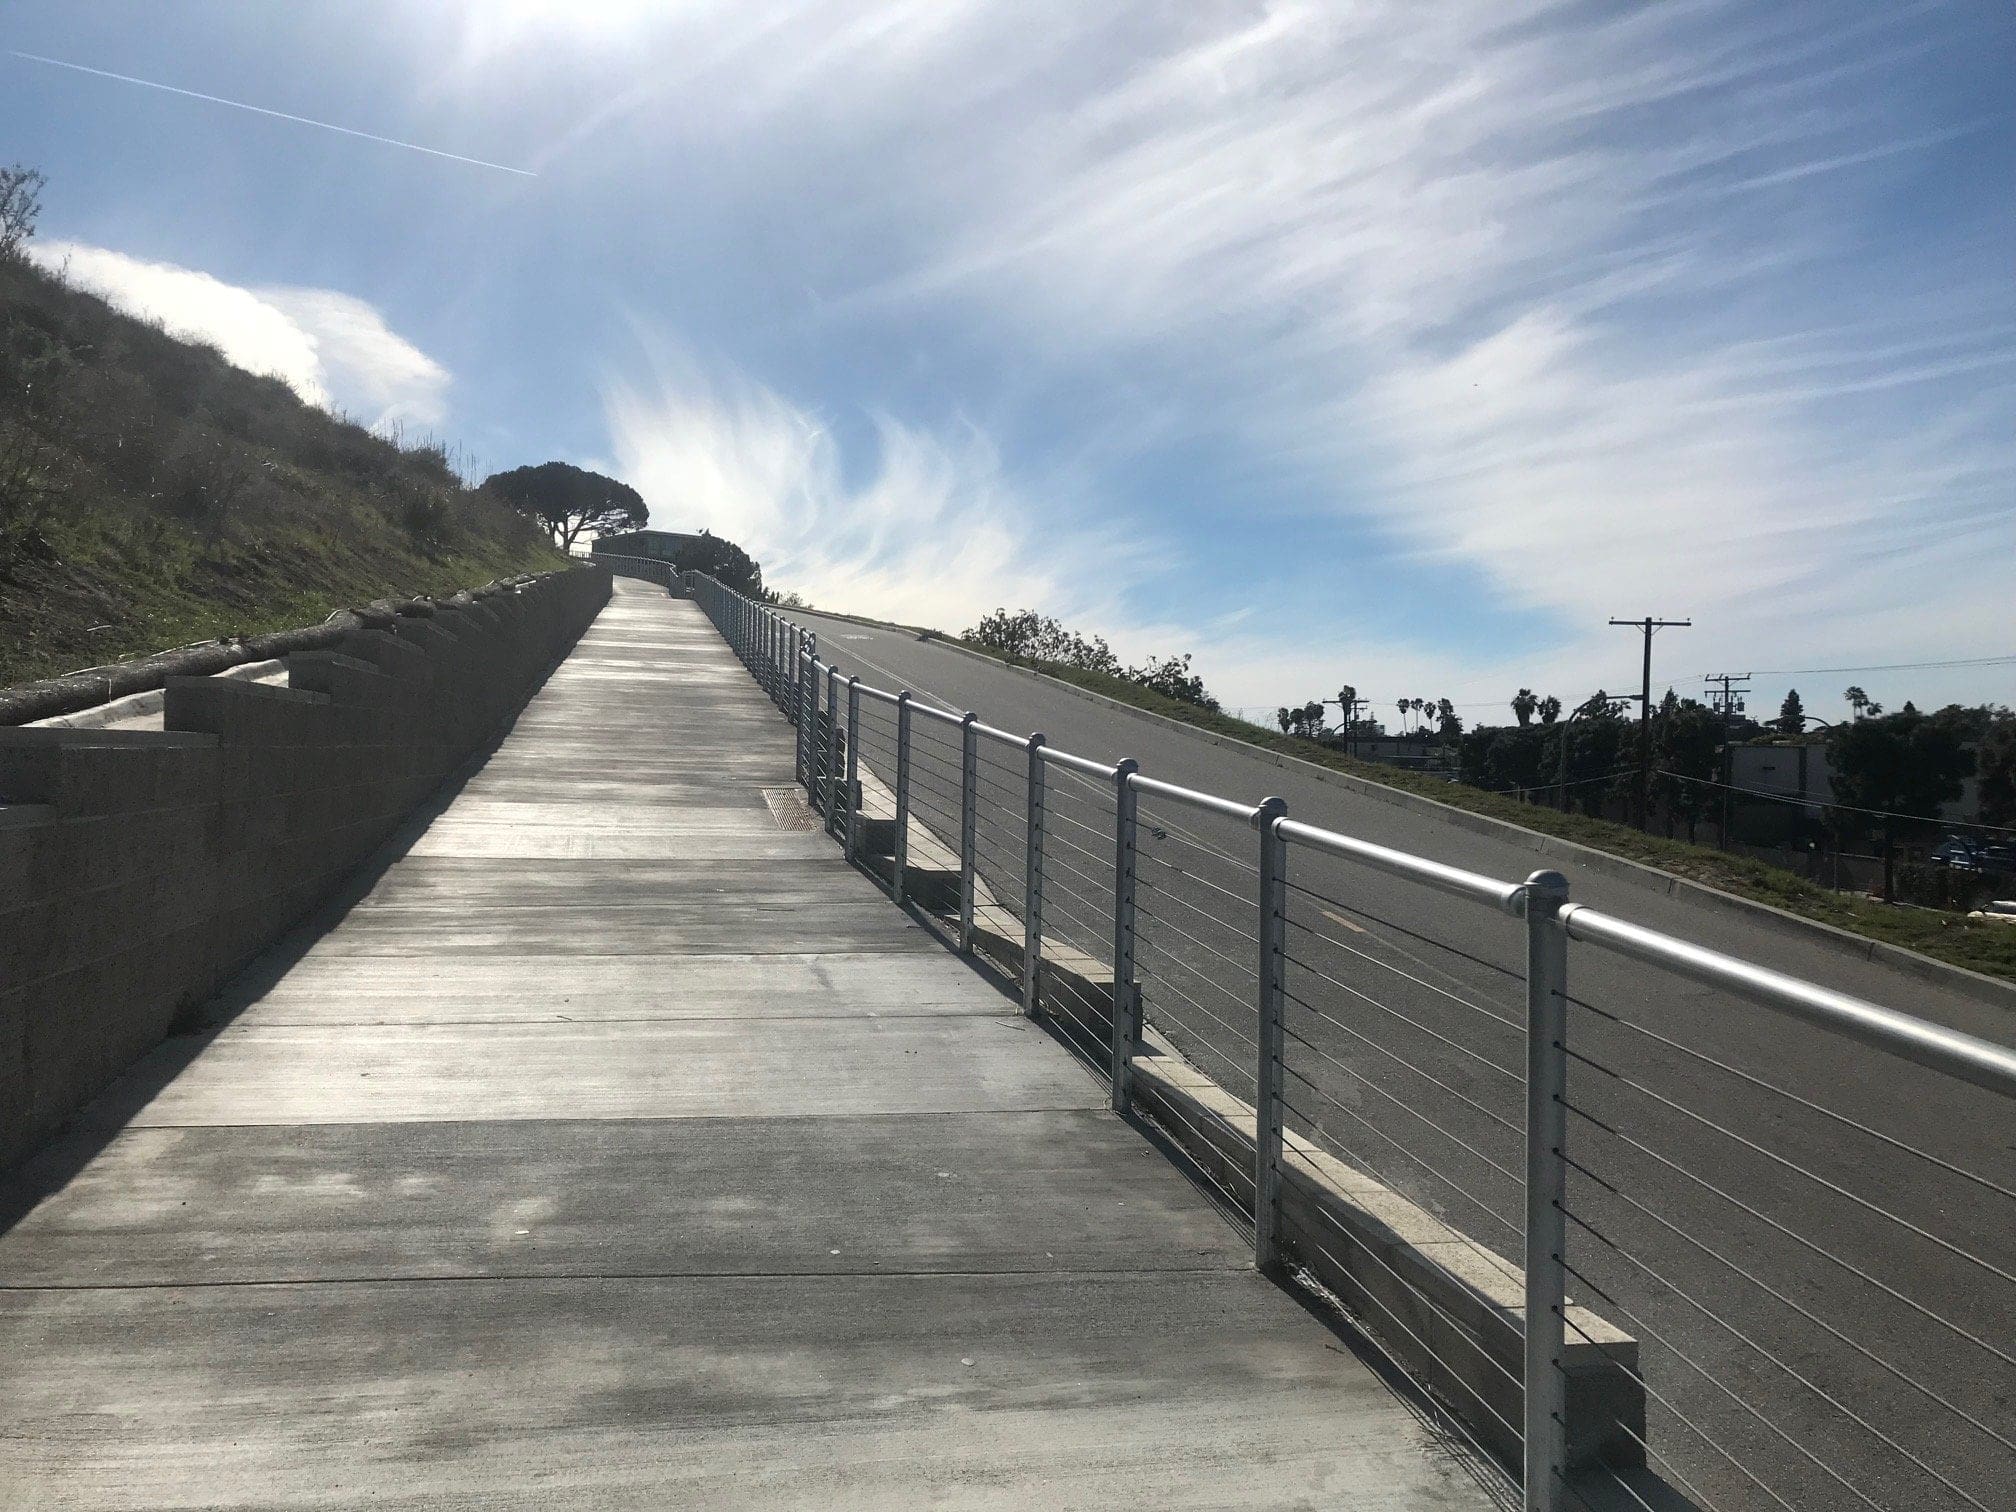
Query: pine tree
x,y
1792,714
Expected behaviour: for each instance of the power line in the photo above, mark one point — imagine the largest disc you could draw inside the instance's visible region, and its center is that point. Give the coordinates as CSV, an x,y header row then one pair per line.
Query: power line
x,y
1846,808
1974,661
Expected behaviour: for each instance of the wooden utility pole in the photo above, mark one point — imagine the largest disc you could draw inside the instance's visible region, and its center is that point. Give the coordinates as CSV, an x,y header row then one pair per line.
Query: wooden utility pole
x,y
1648,626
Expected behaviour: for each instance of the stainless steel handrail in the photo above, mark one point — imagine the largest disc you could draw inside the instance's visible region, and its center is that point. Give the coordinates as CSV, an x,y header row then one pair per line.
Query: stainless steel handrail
x,y
1090,768
1506,896
1245,813
1901,1034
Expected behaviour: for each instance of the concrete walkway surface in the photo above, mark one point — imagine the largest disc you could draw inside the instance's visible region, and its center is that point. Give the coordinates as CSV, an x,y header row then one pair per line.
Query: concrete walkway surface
x,y
620,1146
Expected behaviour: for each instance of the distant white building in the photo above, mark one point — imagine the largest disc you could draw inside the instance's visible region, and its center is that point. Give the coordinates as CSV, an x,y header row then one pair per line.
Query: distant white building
x,y
1801,772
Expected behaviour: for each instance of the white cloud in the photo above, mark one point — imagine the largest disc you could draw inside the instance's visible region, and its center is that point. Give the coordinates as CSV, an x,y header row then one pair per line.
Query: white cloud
x,y
926,530
1557,301
332,349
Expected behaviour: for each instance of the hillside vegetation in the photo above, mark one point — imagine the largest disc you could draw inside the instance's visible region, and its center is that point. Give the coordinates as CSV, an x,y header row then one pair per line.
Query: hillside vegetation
x,y
152,494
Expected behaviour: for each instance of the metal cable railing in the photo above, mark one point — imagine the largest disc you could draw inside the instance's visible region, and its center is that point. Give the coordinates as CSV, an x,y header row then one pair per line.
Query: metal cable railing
x,y
1790,1288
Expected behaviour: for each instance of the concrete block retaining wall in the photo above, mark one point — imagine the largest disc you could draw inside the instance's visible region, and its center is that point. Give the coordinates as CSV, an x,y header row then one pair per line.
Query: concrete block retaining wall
x,y
139,870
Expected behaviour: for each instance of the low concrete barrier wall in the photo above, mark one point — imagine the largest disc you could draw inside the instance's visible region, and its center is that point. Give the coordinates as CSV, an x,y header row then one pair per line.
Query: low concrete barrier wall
x,y
139,869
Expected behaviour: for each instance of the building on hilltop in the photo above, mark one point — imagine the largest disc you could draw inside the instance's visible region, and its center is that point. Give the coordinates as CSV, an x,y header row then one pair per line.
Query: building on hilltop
x,y
659,545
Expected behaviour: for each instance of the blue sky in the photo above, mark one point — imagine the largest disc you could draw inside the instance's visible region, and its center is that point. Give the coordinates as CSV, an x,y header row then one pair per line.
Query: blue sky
x,y
1394,344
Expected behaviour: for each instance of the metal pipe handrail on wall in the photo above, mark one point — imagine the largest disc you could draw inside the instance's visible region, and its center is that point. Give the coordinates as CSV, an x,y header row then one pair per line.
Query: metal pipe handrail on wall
x,y
784,659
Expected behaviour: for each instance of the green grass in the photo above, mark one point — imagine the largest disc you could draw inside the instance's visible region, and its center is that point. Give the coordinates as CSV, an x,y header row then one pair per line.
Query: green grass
x,y
151,495
1978,945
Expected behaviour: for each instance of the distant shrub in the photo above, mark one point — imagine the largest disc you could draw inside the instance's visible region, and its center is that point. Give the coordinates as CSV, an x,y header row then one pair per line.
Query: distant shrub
x,y
20,202
203,481
28,489
424,514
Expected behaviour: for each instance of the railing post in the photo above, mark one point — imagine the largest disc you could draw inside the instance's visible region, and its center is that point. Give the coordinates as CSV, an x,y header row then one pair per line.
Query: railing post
x,y
830,762
1032,882
1267,1116
899,861
853,760
1126,991
807,716
797,712
1546,1423
969,825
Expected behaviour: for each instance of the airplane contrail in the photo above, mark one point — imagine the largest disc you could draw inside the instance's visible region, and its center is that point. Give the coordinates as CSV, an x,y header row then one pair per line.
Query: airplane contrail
x,y
278,115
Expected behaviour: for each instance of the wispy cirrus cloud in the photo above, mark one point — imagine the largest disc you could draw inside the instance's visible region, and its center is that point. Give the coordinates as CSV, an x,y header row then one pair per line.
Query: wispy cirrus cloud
x,y
925,526
1607,309
331,348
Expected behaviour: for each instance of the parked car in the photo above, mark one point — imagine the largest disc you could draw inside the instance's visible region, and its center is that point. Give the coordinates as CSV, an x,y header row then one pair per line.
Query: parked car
x,y
1967,853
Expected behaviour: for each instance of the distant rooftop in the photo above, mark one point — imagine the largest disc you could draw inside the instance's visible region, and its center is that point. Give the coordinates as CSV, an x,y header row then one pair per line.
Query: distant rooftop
x,y
662,544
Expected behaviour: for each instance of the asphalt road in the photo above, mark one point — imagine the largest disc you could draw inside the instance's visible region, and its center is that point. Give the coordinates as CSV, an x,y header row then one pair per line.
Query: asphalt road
x,y
1814,1244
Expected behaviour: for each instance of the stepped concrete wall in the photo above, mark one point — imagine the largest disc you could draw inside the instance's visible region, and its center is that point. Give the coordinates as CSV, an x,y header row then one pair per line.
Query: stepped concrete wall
x,y
139,870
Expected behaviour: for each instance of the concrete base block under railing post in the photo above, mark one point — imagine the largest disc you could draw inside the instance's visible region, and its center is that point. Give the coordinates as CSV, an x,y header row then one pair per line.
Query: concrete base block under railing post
x,y
1447,1309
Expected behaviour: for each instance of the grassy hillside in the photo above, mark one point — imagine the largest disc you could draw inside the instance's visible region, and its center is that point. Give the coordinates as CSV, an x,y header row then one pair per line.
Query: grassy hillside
x,y
1979,945
152,494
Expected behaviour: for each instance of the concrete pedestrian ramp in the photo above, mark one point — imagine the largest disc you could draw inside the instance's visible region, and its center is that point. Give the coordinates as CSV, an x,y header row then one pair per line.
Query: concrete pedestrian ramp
x,y
620,1146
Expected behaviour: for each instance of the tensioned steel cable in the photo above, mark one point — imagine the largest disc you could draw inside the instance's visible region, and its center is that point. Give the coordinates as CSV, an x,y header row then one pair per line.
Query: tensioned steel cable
x,y
1149,940
1764,1286
1165,895
1455,1186
1365,996
1649,1332
1054,843
1401,1061
1246,901
1412,1023
1653,1456
1790,1165
1379,1091
1372,960
1390,926
1793,1097
1169,829
1245,968
1488,1258
1426,1348
1795,1236
1457,1326
1246,1040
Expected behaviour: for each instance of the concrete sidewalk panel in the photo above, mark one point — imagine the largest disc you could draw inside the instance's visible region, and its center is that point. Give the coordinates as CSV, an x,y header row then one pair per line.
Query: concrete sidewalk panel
x,y
721,1196
763,1392
693,1068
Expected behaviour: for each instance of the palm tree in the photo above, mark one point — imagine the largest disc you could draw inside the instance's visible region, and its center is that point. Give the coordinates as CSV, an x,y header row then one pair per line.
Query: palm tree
x,y
1523,705
1405,706
1857,700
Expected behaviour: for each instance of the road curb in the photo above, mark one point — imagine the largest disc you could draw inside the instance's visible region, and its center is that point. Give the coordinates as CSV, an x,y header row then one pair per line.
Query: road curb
x,y
1978,986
